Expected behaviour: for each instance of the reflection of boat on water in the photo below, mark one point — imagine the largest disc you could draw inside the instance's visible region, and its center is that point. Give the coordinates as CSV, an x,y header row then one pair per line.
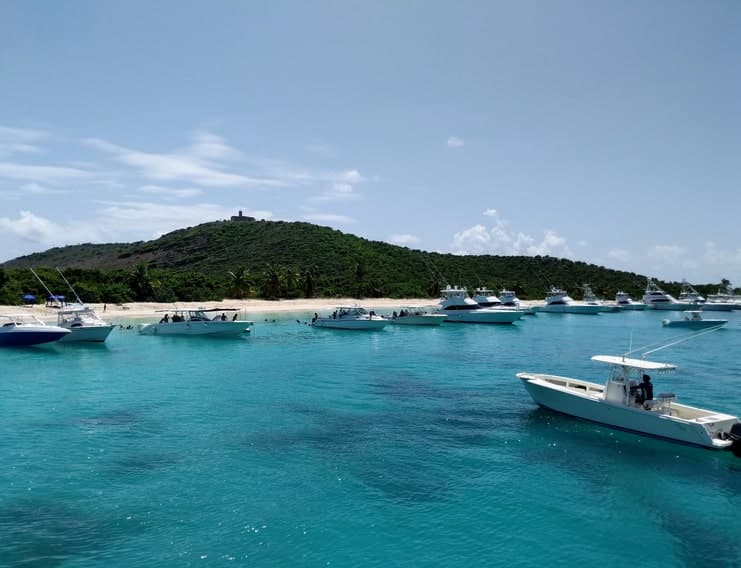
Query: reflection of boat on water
x,y
351,317
692,319
416,316
557,301
460,308
626,402
21,330
197,322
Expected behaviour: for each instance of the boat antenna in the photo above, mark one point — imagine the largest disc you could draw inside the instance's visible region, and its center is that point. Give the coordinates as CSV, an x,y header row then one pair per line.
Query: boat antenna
x,y
42,282
658,346
70,286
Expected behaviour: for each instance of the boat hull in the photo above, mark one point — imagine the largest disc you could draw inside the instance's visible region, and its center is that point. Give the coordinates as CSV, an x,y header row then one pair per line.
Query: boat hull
x,y
20,337
697,324
585,309
720,307
589,405
351,324
89,334
672,306
634,306
203,328
426,319
483,316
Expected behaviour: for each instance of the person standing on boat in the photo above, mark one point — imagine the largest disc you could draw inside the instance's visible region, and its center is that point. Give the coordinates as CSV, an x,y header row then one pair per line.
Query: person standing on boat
x,y
647,387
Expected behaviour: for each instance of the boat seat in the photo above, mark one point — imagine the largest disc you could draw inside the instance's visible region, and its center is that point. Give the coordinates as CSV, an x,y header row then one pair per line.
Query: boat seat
x,y
666,397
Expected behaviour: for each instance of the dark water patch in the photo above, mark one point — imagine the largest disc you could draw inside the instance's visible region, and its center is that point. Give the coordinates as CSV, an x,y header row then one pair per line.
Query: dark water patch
x,y
402,480
39,532
124,420
144,462
697,535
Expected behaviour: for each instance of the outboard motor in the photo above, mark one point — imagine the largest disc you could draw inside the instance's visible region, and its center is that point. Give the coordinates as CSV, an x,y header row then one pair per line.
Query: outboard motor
x,y
735,435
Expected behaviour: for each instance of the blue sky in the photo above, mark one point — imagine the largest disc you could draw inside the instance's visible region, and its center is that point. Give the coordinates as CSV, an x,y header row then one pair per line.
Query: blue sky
x,y
608,132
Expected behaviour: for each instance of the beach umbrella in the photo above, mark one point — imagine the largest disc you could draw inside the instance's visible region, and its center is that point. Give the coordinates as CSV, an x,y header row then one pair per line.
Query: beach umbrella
x,y
29,298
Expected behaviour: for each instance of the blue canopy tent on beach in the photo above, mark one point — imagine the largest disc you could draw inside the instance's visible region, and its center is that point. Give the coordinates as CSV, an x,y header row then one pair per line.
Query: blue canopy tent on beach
x,y
29,299
55,299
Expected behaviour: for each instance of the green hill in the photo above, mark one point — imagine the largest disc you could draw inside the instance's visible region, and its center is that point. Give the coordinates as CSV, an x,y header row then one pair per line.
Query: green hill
x,y
290,259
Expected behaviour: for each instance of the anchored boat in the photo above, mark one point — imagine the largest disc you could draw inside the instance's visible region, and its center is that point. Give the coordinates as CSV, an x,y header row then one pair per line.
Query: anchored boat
x,y
626,402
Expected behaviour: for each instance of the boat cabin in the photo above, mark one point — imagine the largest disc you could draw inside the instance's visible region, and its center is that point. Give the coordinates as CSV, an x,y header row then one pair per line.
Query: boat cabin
x,y
624,386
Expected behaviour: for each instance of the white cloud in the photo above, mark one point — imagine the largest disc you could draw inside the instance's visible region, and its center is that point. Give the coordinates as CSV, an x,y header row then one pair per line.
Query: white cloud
x,y
196,164
403,239
499,239
582,243
337,192
43,174
42,231
490,213
455,142
721,257
170,193
619,254
329,218
671,254
20,140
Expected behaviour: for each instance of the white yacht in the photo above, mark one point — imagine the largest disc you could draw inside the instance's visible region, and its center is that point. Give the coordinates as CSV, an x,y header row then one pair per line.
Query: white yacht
x,y
624,302
655,298
692,319
509,299
723,301
626,402
557,301
689,294
460,308
197,322
486,298
350,317
21,330
591,299
83,323
416,316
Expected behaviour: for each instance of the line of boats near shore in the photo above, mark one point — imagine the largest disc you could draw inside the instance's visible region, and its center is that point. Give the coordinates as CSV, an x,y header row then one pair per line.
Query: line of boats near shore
x,y
79,323
624,402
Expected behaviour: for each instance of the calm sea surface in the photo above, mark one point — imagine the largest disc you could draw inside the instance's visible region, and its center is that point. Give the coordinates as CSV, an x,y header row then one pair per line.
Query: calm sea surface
x,y
296,446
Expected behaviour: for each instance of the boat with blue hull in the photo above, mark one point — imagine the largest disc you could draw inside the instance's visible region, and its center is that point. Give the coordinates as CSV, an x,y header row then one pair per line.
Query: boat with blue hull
x,y
22,330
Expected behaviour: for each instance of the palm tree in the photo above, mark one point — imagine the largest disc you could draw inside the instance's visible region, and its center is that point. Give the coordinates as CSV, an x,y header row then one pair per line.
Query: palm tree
x,y
273,284
307,277
142,283
241,283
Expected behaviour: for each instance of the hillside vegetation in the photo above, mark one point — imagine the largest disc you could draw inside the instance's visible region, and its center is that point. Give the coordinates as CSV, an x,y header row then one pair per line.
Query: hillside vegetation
x,y
276,259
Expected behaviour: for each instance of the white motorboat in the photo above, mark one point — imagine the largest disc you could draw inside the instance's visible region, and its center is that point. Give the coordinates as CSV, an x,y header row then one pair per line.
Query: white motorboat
x,y
416,316
21,330
197,322
351,317
723,301
655,298
591,299
627,403
84,324
486,298
624,302
509,299
557,301
456,304
688,294
692,319
82,321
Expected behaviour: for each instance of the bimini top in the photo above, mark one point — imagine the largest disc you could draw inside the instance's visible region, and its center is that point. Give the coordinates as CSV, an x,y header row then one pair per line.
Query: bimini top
x,y
634,363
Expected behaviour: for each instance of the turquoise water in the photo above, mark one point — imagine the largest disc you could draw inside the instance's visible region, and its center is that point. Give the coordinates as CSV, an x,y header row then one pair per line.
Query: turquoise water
x,y
310,447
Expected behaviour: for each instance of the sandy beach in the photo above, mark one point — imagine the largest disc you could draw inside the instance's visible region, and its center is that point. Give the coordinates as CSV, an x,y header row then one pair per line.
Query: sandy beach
x,y
145,310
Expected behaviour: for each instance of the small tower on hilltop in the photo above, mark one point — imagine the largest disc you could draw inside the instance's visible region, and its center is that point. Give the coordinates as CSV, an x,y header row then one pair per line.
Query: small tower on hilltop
x,y
241,217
